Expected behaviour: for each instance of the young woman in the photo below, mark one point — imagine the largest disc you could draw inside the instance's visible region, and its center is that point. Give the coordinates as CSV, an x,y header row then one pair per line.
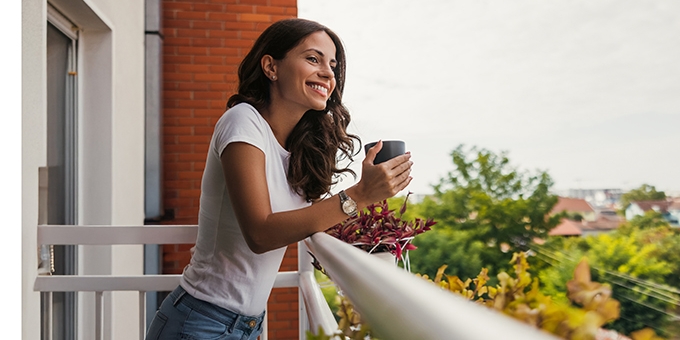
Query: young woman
x,y
270,167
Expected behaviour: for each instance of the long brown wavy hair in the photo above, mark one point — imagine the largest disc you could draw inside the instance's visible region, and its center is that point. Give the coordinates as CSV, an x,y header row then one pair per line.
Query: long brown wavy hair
x,y
320,139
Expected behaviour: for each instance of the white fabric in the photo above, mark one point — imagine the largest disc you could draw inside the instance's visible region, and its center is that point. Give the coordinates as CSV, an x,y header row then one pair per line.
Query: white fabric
x,y
223,270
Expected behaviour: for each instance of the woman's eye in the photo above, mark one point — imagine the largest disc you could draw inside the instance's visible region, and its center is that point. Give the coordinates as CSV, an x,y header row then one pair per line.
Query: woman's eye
x,y
313,59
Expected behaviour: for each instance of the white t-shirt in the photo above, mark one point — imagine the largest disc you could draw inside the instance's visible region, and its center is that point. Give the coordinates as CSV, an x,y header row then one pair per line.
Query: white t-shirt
x,y
223,270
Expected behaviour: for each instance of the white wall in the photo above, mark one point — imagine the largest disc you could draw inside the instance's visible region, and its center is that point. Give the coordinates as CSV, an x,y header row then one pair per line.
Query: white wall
x,y
111,147
33,154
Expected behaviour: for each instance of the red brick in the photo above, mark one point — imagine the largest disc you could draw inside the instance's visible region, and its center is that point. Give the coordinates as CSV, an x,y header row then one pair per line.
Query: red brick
x,y
270,10
201,148
192,86
240,9
213,60
208,42
176,112
189,193
194,121
191,15
217,104
192,33
177,59
188,175
239,25
276,18
209,7
249,17
229,88
171,76
199,166
287,3
192,51
192,156
169,14
222,16
189,68
176,148
209,77
207,25
225,51
223,34
178,130
209,95
206,113
175,24
238,43
177,94
257,2
175,5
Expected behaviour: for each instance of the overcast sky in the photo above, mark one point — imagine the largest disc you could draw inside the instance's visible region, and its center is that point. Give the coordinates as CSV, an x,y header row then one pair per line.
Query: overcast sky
x,y
588,91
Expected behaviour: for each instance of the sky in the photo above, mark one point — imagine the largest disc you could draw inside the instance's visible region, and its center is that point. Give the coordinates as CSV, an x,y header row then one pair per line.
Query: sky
x,y
588,91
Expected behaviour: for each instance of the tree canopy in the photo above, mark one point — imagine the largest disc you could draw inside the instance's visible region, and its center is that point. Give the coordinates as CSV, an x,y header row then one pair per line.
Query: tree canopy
x,y
645,192
485,209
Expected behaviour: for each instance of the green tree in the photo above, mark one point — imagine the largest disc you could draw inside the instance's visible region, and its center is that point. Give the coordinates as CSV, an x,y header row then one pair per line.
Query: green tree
x,y
645,192
485,210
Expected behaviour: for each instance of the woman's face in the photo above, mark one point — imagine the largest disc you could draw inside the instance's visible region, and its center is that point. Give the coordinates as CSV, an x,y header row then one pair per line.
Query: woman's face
x,y
305,75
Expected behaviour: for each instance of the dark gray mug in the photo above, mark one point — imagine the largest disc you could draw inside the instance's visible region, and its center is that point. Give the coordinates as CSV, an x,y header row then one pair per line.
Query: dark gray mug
x,y
390,149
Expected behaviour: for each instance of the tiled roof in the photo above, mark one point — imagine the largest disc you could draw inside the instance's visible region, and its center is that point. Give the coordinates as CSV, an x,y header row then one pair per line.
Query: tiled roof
x,y
567,228
662,206
572,204
603,222
675,205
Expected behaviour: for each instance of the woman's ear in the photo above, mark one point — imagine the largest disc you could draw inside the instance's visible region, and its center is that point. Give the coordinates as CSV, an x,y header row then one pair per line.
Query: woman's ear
x,y
268,64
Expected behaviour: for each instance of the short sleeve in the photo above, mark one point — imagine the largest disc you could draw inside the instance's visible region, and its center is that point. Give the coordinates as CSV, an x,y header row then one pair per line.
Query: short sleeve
x,y
241,123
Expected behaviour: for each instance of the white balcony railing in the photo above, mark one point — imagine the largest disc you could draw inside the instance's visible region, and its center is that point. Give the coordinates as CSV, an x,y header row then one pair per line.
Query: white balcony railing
x,y
396,304
311,296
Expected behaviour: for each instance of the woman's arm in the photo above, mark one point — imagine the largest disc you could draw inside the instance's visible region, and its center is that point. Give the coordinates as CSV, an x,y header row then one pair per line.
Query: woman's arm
x,y
265,231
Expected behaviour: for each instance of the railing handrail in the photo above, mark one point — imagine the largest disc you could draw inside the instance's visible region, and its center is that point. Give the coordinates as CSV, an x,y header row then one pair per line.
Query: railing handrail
x,y
141,283
112,235
399,305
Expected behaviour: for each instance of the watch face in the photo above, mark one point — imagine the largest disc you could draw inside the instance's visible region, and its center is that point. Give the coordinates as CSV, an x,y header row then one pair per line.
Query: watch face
x,y
349,207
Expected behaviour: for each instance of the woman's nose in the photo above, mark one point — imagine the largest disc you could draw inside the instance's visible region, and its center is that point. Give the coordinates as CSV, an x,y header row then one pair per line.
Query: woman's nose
x,y
327,72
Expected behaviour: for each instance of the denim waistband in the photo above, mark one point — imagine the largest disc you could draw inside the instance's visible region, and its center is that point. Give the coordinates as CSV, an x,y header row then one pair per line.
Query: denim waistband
x,y
179,295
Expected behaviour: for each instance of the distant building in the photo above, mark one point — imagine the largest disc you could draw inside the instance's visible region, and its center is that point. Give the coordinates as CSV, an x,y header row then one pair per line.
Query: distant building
x,y
574,206
597,198
592,222
669,209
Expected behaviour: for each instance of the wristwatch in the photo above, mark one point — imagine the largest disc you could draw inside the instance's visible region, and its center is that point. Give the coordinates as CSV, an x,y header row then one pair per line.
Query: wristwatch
x,y
348,205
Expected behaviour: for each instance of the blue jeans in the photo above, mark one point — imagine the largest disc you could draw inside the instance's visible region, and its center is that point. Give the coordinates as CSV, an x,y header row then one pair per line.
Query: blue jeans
x,y
181,316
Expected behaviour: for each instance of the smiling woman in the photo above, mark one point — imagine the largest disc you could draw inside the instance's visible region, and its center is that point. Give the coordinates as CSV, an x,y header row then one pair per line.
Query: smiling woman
x,y
271,163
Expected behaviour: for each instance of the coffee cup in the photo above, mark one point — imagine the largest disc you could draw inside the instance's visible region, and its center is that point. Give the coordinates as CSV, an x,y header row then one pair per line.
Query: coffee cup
x,y
390,149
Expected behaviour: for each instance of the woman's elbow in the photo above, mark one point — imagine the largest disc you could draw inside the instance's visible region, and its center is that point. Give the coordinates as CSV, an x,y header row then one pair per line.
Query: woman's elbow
x,y
257,245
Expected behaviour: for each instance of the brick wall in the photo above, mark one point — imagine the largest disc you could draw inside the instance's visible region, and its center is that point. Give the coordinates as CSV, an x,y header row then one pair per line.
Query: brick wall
x,y
204,41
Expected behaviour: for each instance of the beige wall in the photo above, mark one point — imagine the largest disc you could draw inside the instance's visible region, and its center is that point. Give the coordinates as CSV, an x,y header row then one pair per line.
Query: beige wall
x,y
111,147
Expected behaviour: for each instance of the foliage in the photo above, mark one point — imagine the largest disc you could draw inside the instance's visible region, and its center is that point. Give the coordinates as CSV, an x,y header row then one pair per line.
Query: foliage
x,y
650,219
518,295
377,228
638,262
645,192
496,208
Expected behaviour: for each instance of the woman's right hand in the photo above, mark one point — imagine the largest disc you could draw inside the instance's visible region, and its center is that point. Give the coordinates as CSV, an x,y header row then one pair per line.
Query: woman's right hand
x,y
384,180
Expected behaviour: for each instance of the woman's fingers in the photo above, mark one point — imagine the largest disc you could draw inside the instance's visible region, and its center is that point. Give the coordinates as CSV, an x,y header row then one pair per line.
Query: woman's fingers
x,y
387,179
373,152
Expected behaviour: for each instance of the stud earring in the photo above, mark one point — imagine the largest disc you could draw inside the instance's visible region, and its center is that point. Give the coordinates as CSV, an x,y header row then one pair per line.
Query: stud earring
x,y
274,77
